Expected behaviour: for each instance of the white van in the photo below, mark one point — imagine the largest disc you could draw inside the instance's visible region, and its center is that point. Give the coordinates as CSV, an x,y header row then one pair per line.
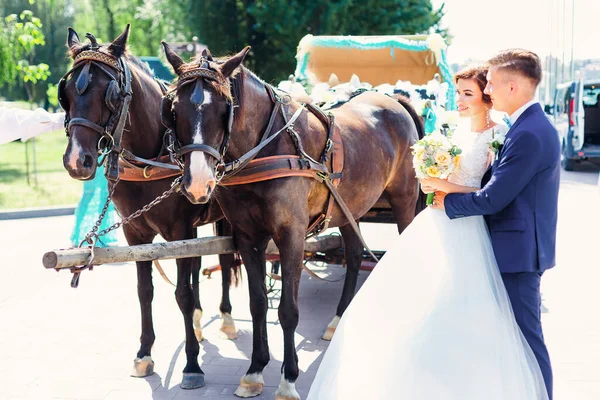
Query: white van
x,y
576,115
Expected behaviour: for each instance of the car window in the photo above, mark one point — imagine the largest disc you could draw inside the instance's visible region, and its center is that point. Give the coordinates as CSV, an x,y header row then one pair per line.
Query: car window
x,y
562,101
590,95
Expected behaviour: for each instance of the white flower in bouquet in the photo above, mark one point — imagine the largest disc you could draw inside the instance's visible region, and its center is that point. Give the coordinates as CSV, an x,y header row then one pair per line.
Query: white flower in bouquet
x,y
435,156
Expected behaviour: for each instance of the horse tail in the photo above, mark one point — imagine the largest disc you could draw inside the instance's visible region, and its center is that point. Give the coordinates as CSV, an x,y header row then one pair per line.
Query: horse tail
x,y
405,102
417,119
232,262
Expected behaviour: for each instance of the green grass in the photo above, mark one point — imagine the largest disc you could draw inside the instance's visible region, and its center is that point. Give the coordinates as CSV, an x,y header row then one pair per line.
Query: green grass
x,y
54,185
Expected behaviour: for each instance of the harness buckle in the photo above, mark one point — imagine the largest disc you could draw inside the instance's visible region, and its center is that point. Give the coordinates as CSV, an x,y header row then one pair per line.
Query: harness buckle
x,y
323,176
328,146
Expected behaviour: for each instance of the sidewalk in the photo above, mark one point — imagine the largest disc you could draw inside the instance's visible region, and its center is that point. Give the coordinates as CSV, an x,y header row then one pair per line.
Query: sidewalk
x,y
62,343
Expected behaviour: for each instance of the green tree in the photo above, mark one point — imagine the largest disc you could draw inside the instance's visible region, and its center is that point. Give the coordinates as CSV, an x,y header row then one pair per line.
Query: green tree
x,y
55,17
21,35
274,27
151,21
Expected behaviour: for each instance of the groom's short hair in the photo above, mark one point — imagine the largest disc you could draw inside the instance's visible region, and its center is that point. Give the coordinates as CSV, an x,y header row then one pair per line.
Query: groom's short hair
x,y
519,61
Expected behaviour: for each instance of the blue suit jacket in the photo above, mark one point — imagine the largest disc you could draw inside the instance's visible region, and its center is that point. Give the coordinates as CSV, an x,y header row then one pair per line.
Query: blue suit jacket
x,y
521,198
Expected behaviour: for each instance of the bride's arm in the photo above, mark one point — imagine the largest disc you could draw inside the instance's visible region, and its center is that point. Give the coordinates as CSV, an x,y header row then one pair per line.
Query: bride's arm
x,y
441,185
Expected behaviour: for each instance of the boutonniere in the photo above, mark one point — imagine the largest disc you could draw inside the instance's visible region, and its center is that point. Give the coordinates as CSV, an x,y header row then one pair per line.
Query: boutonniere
x,y
497,141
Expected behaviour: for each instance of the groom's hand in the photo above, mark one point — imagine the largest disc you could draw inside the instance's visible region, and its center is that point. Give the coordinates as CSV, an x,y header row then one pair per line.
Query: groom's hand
x,y
438,201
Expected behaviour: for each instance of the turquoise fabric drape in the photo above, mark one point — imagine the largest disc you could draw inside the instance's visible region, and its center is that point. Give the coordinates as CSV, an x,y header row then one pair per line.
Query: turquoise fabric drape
x,y
95,192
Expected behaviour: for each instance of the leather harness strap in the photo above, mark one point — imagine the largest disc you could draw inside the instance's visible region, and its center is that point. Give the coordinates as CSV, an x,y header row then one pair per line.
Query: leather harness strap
x,y
136,171
273,167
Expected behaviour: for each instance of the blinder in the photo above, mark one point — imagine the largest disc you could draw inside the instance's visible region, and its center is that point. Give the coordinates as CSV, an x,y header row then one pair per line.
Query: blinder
x,y
62,98
166,112
111,98
84,79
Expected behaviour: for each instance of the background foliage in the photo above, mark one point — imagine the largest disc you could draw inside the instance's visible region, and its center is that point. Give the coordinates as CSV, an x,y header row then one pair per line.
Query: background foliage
x,y
272,27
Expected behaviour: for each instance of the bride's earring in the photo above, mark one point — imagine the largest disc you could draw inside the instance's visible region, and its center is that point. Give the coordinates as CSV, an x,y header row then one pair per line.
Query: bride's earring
x,y
487,117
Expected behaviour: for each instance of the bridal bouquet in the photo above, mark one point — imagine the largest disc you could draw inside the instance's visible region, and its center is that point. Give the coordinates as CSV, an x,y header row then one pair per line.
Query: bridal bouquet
x,y
434,156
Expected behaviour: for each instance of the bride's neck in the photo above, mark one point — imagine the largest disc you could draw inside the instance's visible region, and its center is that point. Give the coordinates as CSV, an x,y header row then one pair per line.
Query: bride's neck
x,y
480,123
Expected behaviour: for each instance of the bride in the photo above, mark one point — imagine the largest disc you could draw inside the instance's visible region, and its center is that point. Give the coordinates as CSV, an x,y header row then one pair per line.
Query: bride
x,y
433,320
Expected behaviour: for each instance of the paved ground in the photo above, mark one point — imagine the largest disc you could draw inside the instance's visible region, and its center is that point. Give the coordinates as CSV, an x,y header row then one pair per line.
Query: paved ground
x,y
60,343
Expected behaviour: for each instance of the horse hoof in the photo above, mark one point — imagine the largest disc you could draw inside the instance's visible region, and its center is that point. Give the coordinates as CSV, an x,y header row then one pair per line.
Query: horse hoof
x,y
250,386
286,390
228,330
328,335
192,381
142,367
197,324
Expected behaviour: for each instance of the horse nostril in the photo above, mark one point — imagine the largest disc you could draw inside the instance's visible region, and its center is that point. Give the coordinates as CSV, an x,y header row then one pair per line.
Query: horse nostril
x,y
88,161
210,186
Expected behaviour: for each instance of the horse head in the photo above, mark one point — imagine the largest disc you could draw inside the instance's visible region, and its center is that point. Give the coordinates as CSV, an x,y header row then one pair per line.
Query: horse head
x,y
91,94
201,112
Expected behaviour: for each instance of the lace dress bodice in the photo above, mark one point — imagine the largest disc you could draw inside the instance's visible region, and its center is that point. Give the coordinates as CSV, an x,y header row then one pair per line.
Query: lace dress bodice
x,y
473,160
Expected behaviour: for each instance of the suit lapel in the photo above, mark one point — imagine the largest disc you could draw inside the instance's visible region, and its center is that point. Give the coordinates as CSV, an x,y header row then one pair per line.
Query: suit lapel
x,y
531,110
534,108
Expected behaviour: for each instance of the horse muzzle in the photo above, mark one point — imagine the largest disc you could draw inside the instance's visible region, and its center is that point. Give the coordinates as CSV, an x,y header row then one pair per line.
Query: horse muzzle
x,y
198,194
81,167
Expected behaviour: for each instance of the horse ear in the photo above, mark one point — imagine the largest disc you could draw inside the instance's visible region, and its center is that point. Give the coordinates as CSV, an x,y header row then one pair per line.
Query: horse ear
x,y
173,58
206,54
230,65
117,47
72,39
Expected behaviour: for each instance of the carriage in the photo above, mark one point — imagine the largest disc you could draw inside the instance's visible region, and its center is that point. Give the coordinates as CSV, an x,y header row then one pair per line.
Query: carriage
x,y
417,58
400,64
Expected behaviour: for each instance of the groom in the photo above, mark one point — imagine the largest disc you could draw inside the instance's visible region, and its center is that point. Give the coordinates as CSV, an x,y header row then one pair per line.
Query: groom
x,y
520,199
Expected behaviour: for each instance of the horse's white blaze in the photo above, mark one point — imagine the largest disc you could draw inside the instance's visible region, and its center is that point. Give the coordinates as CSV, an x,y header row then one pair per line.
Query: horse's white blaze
x,y
74,153
286,389
200,172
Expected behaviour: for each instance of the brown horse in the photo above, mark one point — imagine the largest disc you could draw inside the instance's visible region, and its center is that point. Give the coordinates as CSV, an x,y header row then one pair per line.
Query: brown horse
x,y
90,95
221,108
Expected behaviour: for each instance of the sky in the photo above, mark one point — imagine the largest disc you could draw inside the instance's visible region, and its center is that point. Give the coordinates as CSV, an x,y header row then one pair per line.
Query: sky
x,y
482,27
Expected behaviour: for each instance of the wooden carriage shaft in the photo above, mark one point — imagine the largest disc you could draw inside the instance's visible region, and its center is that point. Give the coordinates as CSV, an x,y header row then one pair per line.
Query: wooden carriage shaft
x,y
65,259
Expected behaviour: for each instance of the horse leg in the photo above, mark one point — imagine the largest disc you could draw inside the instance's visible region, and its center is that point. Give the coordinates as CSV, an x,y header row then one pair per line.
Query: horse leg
x,y
193,376
403,195
252,383
353,252
290,241
197,315
228,267
403,207
143,364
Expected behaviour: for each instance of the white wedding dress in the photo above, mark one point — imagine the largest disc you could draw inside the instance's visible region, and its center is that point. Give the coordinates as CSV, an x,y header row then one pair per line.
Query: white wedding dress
x,y
433,321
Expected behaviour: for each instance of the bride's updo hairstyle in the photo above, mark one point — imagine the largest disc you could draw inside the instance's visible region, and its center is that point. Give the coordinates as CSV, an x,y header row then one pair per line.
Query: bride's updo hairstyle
x,y
478,73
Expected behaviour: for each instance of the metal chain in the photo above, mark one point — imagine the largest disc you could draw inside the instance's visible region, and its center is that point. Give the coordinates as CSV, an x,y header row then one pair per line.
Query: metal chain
x,y
91,237
125,221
